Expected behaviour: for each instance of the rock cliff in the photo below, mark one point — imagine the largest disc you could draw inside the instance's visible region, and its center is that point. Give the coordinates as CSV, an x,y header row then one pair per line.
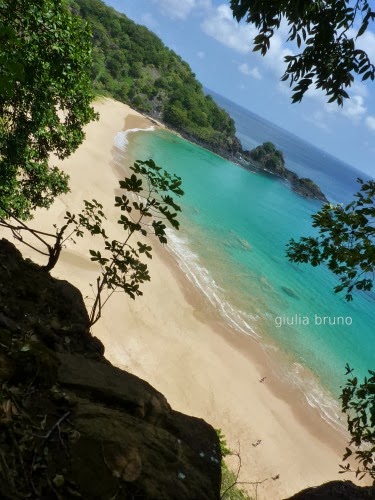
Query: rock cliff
x,y
73,425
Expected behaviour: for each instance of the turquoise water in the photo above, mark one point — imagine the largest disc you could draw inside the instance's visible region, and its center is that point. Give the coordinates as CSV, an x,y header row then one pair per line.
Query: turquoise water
x,y
234,228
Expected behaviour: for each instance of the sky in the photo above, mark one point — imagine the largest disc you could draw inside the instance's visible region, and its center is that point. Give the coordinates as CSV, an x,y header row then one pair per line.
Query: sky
x,y
219,51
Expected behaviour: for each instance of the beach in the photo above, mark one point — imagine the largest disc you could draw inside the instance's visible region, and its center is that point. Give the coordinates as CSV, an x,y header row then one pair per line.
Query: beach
x,y
173,338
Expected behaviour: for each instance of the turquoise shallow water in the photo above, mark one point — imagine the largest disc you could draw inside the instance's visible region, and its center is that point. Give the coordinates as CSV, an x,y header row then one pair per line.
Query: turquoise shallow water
x,y
234,228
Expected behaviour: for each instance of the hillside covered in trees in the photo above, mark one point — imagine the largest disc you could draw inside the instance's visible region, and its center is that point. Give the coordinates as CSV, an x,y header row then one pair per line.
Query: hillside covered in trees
x,y
133,65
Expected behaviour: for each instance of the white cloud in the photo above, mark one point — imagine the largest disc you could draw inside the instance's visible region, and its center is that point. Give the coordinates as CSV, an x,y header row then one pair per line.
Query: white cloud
x,y
316,94
370,122
222,27
358,88
354,107
181,9
283,88
366,42
246,70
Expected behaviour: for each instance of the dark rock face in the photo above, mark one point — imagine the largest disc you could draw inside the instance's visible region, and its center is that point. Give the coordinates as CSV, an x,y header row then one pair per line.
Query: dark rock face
x,y
267,157
31,300
73,425
128,425
336,490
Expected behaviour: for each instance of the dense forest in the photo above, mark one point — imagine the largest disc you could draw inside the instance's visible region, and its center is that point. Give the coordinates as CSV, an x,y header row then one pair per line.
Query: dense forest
x,y
132,65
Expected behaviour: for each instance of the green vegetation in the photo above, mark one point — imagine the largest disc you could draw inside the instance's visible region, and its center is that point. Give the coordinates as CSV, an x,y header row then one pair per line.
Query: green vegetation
x,y
132,65
229,489
269,157
328,55
345,242
358,402
45,95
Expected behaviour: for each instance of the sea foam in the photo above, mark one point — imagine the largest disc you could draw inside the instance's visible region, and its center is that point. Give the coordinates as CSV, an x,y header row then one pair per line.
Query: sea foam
x,y
121,138
316,396
189,263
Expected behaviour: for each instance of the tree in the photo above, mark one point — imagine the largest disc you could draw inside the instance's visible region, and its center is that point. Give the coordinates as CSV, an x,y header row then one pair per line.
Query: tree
x,y
346,241
45,95
358,402
146,204
325,34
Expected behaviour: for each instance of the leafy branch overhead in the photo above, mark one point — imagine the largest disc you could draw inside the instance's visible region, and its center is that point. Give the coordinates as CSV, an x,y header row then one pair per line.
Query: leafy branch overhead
x,y
326,38
358,403
346,241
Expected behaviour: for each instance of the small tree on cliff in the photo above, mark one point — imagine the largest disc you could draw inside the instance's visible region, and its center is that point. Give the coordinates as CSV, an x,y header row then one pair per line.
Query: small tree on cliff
x,y
147,205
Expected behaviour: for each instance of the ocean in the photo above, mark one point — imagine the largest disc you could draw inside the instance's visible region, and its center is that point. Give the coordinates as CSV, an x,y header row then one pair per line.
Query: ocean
x,y
235,225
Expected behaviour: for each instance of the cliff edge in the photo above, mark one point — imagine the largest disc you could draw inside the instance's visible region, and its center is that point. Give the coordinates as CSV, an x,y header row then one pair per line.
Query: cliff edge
x,y
73,425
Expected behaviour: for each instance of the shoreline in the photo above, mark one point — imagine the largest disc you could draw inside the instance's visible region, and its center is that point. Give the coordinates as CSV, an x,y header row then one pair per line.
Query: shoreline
x,y
249,164
268,349
174,339
251,349
313,400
